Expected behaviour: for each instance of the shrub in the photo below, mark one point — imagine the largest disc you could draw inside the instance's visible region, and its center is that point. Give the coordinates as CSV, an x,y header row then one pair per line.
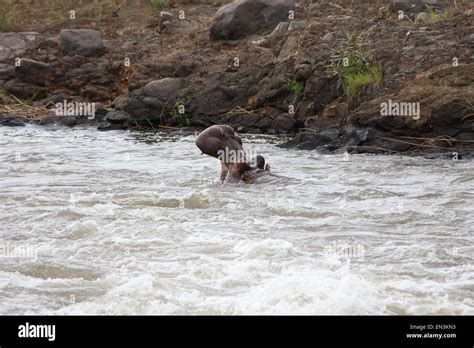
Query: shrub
x,y
295,87
159,4
177,116
352,68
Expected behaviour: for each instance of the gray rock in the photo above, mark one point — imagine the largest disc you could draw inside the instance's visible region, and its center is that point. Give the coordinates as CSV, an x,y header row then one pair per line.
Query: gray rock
x,y
329,140
6,71
11,121
279,31
23,89
13,41
165,16
33,71
11,44
68,121
250,120
14,45
303,72
108,126
5,53
290,47
147,105
329,37
163,89
30,36
100,110
244,17
83,42
297,25
413,5
283,123
309,141
115,116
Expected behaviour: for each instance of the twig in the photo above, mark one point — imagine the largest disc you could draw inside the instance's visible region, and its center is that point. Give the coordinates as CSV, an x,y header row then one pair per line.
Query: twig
x,y
372,147
168,127
23,103
243,110
423,145
309,130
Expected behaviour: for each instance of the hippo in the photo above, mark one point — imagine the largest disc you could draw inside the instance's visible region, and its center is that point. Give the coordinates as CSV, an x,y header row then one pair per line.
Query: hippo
x,y
221,142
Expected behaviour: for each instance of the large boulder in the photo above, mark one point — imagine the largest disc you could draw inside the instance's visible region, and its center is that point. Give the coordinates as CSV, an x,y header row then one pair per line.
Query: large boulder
x,y
14,45
83,42
151,103
243,17
413,5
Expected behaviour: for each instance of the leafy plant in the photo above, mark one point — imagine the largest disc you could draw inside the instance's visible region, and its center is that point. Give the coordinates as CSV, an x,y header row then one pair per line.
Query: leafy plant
x,y
177,115
295,87
351,66
159,4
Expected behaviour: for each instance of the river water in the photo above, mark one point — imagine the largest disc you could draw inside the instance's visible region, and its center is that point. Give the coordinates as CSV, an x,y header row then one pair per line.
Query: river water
x,y
124,223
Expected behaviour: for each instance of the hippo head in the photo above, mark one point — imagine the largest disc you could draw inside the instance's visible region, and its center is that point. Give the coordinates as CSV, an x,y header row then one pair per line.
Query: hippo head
x,y
221,142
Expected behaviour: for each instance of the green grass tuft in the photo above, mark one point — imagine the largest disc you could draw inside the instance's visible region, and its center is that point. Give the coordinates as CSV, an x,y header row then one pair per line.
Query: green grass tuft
x,y
355,82
433,16
159,4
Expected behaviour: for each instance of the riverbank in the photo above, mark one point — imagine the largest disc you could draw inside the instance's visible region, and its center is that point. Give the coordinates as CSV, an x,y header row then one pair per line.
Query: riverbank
x,y
334,76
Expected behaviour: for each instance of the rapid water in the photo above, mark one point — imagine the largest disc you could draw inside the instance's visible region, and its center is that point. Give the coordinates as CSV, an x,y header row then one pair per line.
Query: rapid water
x,y
122,223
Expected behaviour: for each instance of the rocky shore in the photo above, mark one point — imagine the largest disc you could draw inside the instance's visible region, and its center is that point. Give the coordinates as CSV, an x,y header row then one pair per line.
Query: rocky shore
x,y
382,76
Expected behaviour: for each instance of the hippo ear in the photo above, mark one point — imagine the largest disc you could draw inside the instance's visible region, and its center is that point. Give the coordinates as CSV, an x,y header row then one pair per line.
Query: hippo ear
x,y
221,131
